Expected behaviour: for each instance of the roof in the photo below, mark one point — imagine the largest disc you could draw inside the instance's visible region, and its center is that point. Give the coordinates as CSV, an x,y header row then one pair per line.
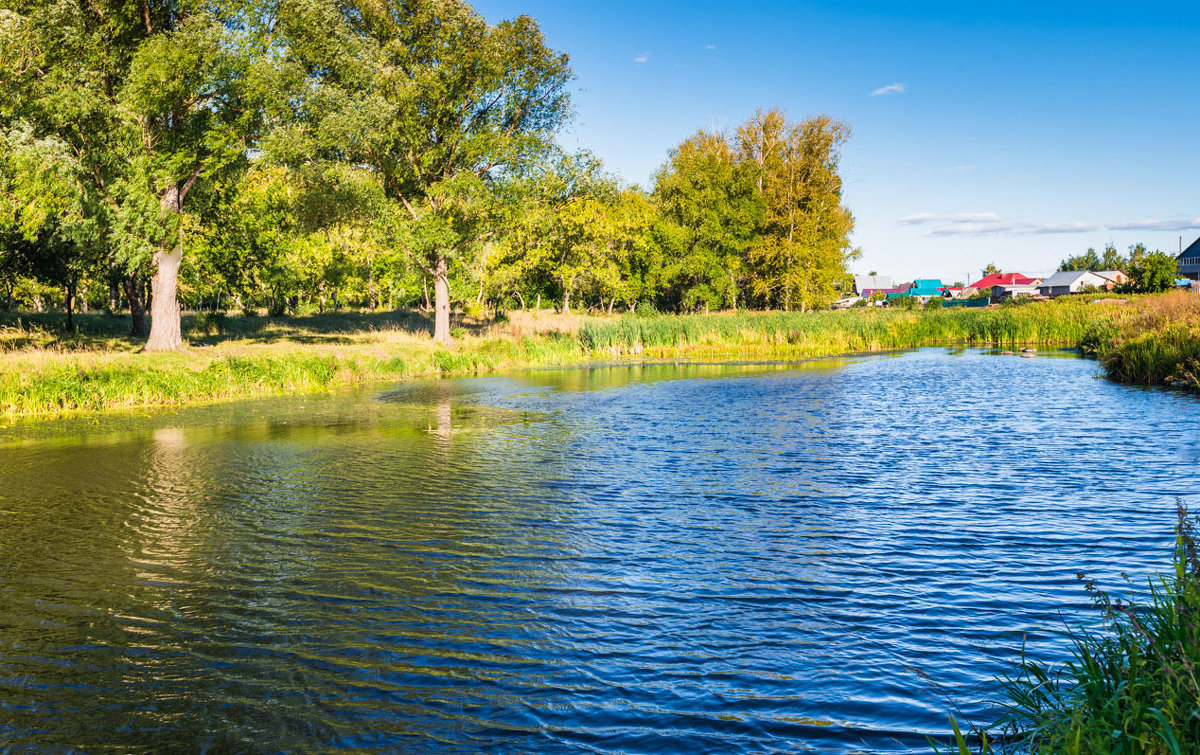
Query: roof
x,y
1192,250
926,287
1004,279
1112,275
1066,278
872,282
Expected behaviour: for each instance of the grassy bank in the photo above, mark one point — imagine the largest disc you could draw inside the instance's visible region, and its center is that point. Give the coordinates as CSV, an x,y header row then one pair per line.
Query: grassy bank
x,y
1158,343
98,367
45,370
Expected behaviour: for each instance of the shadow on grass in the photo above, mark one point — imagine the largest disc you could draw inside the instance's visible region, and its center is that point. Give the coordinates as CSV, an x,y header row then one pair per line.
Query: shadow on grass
x,y
19,330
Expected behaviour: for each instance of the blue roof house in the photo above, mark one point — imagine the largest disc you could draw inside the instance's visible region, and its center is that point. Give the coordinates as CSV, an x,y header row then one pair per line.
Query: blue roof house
x,y
926,288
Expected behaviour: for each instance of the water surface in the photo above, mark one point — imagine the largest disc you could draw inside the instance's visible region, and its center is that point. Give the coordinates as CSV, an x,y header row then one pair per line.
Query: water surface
x,y
665,558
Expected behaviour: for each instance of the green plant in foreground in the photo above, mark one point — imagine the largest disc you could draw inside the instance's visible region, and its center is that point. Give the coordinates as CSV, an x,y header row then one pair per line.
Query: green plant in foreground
x,y
1130,687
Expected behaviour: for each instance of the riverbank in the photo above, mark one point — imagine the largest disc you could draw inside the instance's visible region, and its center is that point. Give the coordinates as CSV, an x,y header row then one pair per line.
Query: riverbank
x,y
45,371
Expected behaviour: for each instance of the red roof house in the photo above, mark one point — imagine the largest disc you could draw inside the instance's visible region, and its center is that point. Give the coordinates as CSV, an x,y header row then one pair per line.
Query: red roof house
x,y
1005,279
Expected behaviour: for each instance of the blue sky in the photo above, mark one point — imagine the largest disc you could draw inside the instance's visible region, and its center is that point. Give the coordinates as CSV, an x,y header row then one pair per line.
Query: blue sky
x,y
1017,133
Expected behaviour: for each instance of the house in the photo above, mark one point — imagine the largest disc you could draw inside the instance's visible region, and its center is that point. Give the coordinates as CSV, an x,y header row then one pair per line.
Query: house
x,y
1071,282
955,292
1004,279
1116,277
1188,261
926,289
922,289
1003,291
864,283
867,293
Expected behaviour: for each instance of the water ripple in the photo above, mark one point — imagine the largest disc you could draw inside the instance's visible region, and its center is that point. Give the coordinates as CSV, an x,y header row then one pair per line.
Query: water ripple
x,y
750,559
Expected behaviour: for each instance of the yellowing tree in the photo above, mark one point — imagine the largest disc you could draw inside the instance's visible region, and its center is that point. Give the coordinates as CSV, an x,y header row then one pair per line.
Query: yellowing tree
x,y
800,256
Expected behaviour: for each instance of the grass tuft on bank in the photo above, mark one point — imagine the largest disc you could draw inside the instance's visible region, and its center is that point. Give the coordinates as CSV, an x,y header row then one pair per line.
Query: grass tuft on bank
x,y
1130,686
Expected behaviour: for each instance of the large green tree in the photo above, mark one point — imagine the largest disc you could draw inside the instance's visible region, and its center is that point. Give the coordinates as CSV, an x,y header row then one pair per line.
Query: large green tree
x,y
149,96
443,108
801,256
1154,272
711,196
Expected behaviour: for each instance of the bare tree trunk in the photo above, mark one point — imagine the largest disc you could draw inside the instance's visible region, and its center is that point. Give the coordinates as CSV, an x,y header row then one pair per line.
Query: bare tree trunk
x,y
441,297
611,302
371,300
71,306
566,301
425,288
166,331
165,328
137,313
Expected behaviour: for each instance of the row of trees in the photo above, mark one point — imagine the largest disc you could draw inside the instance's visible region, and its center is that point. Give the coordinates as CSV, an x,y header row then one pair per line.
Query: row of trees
x,y
1151,272
322,153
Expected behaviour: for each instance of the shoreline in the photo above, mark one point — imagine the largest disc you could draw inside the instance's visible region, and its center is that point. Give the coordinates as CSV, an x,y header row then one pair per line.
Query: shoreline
x,y
1136,345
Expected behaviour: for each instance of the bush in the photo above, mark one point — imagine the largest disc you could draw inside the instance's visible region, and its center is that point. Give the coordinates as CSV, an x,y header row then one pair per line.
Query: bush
x,y
935,303
646,309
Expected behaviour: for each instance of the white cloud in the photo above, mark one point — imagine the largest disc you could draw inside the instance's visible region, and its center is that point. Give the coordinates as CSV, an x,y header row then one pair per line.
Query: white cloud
x,y
896,88
1181,224
1048,228
643,58
962,168
710,47
988,224
926,218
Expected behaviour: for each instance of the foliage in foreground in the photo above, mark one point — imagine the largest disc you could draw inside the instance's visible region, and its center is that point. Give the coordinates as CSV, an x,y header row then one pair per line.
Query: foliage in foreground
x,y
1130,687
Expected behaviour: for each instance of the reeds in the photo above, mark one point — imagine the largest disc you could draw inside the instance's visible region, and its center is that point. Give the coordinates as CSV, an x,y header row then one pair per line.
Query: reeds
x,y
858,330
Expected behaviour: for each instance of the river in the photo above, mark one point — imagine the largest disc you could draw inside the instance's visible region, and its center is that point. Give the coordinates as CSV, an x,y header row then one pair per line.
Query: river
x,y
819,557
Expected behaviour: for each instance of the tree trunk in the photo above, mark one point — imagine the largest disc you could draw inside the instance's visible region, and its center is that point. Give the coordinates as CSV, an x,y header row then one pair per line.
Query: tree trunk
x,y
166,331
165,328
566,301
441,299
137,313
611,302
425,288
71,306
371,301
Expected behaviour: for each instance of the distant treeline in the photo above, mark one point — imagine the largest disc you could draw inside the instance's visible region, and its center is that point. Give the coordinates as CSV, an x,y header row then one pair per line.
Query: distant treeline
x,y
298,157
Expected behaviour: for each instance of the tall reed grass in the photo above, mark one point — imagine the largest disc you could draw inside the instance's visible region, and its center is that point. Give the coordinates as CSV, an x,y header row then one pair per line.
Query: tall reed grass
x,y
823,333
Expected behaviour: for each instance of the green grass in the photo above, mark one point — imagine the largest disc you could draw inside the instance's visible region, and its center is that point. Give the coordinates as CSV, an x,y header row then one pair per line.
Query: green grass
x,y
1130,686
47,383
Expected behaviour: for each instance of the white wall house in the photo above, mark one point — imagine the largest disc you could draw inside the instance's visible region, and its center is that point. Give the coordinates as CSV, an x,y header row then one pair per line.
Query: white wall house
x,y
1013,291
1071,282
